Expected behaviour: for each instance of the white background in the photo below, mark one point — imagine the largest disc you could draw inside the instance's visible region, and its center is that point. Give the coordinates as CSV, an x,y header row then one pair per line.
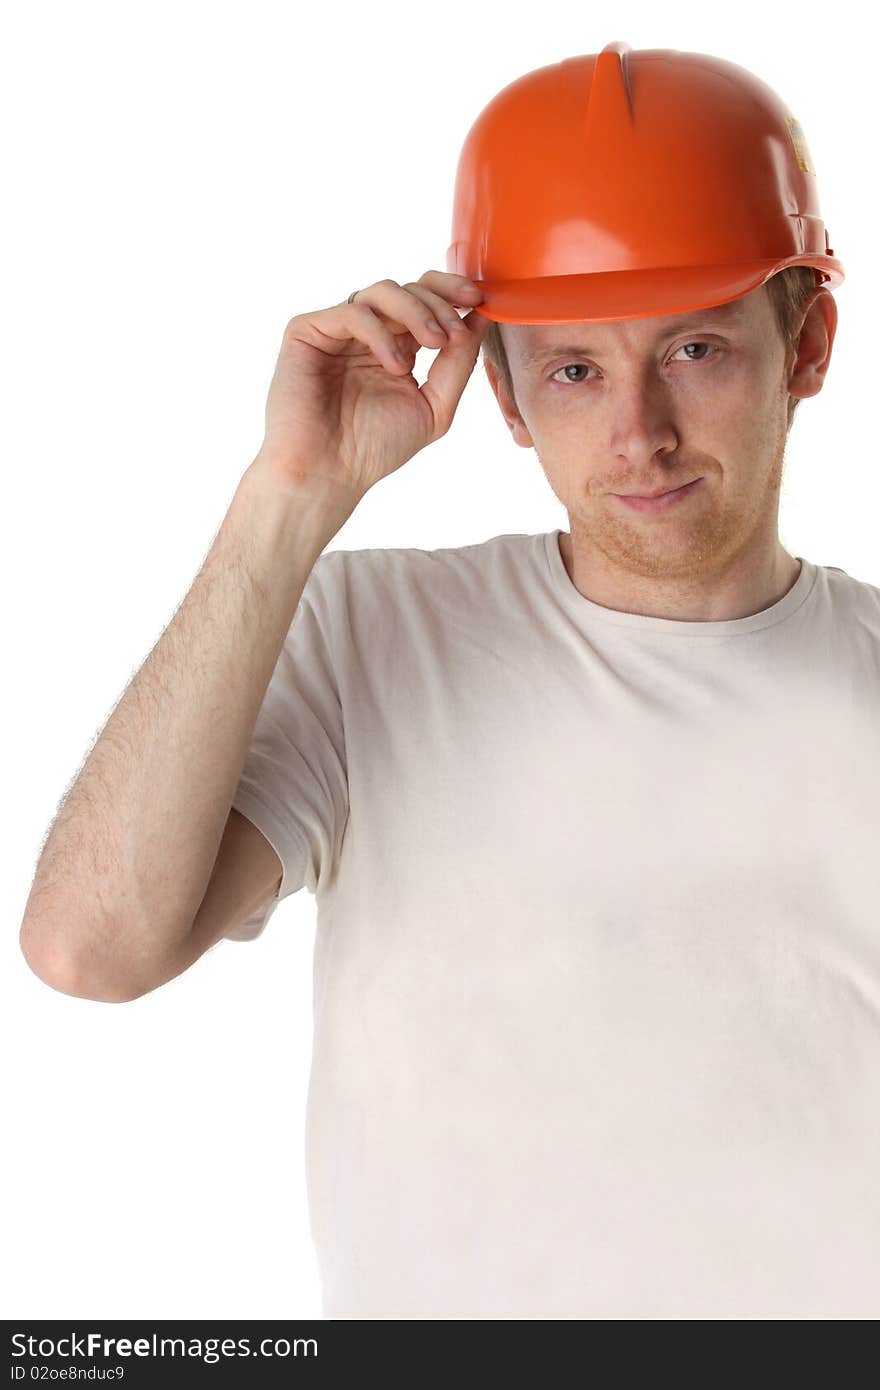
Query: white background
x,y
180,179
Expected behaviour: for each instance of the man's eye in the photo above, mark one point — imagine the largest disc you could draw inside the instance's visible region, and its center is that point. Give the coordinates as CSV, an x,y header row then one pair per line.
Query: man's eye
x,y
583,366
713,347
577,366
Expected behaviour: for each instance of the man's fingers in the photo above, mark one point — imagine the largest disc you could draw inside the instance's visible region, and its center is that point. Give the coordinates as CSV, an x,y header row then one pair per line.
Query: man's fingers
x,y
442,309
455,288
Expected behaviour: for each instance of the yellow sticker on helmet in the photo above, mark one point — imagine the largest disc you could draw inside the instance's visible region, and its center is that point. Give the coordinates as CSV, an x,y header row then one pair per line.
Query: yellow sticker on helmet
x,y
799,141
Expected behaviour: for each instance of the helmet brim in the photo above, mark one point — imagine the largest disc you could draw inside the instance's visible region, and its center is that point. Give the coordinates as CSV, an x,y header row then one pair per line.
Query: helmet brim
x,y
627,294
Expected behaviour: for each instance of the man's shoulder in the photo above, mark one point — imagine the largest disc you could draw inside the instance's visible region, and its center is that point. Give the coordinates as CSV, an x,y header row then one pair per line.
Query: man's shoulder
x,y
406,563
861,597
469,585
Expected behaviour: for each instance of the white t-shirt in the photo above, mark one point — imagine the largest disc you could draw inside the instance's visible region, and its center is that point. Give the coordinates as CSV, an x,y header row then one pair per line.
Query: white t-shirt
x,y
597,954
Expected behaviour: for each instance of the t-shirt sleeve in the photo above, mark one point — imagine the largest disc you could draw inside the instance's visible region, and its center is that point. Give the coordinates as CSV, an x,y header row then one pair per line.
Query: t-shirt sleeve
x,y
294,782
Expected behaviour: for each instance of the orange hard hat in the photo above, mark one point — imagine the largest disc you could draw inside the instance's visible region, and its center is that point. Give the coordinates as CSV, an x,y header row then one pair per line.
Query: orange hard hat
x,y
633,183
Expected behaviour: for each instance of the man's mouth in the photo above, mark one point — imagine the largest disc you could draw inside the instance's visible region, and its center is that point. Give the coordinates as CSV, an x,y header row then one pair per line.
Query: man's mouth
x,y
658,502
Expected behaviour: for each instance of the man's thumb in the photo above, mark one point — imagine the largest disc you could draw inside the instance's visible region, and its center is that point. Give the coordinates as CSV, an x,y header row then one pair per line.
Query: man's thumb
x,y
450,370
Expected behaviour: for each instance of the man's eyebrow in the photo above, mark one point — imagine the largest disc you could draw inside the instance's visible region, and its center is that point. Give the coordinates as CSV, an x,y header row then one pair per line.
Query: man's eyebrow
x,y
716,313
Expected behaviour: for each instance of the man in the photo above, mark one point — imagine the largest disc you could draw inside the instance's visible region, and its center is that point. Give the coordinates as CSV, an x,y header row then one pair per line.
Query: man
x,y
589,817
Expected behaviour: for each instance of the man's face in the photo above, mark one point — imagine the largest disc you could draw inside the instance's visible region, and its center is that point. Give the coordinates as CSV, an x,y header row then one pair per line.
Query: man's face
x,y
640,406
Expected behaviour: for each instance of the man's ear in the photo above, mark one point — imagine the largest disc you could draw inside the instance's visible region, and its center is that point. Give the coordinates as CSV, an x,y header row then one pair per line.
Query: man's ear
x,y
813,358
508,407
